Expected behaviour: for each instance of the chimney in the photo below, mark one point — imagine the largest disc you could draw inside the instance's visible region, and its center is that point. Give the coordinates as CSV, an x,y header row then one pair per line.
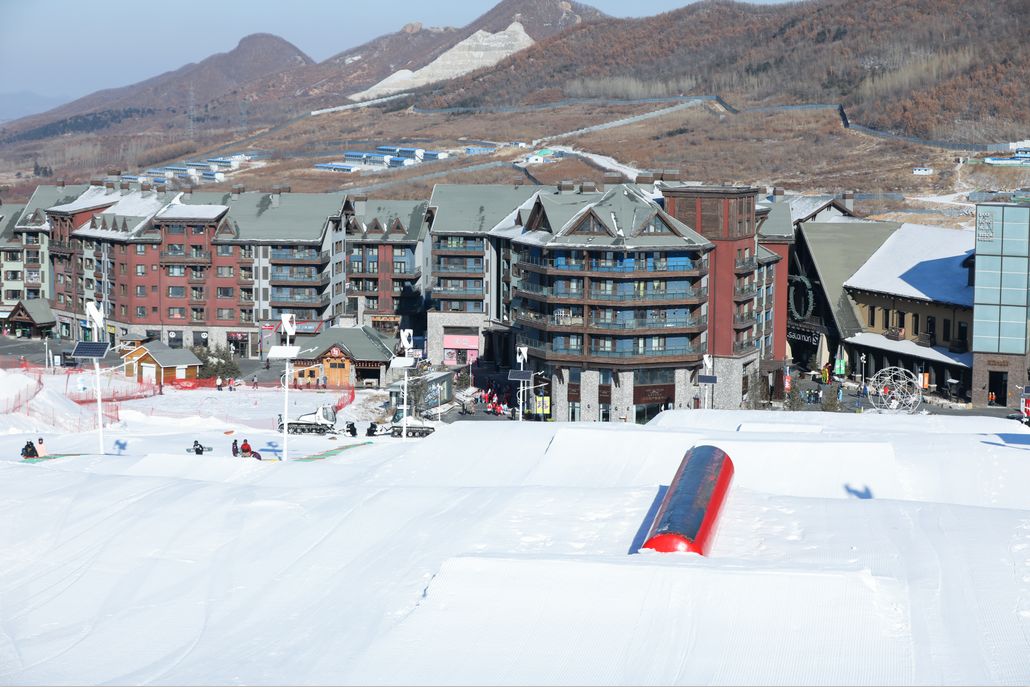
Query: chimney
x,y
588,187
124,186
778,194
285,188
849,200
114,172
274,196
645,178
566,186
612,179
60,183
671,175
144,187
237,189
188,192
109,185
160,188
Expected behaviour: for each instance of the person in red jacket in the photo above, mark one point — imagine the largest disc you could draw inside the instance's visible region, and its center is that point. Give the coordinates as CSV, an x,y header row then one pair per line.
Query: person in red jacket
x,y
245,449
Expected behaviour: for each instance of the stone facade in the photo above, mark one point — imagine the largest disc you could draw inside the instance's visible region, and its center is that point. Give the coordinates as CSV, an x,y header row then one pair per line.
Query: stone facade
x,y
726,393
437,321
1015,365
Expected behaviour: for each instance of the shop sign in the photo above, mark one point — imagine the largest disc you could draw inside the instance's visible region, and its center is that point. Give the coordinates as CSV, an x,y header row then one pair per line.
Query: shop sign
x,y
335,352
803,335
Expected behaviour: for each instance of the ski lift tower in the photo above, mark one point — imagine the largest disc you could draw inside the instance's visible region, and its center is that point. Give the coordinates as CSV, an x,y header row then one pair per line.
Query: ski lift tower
x,y
287,353
95,351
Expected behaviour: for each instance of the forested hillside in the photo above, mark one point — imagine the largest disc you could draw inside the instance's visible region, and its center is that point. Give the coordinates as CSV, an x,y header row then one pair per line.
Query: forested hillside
x,y
932,68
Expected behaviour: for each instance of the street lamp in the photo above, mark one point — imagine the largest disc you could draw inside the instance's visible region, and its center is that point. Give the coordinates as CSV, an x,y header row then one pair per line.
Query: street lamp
x,y
286,353
403,362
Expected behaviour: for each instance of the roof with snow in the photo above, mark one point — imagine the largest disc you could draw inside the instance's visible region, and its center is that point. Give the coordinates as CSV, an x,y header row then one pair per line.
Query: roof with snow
x,y
621,216
921,262
474,208
838,250
92,198
935,354
186,212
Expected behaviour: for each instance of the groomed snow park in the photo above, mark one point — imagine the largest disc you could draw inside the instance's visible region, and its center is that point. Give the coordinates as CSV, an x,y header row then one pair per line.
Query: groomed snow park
x,y
850,549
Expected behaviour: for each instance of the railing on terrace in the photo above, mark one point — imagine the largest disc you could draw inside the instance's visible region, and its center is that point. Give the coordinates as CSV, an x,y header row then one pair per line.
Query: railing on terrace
x,y
636,353
612,266
648,295
458,268
440,291
467,246
650,323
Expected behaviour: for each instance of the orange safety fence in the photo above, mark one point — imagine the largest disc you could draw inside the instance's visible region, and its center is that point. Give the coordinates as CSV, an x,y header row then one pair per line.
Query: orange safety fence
x,y
20,401
345,399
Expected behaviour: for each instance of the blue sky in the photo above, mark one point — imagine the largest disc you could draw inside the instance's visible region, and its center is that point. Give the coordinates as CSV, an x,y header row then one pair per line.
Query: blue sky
x,y
74,47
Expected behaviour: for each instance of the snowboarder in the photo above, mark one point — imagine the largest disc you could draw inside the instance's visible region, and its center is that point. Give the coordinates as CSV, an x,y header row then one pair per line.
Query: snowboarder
x,y
218,383
40,448
245,449
235,448
29,450
197,448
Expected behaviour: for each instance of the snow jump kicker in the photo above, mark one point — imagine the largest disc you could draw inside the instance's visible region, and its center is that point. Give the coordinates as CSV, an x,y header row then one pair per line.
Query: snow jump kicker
x,y
688,514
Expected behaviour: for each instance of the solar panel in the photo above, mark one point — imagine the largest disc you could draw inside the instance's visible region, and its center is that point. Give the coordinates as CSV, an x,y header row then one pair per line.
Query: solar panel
x,y
520,375
91,349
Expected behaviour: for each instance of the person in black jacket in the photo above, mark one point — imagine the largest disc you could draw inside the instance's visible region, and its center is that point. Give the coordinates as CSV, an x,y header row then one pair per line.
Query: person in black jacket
x,y
29,450
197,448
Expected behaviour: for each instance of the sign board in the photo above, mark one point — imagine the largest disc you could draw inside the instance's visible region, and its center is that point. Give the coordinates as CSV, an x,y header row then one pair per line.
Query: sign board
x,y
522,353
803,335
787,383
283,352
407,336
707,379
520,375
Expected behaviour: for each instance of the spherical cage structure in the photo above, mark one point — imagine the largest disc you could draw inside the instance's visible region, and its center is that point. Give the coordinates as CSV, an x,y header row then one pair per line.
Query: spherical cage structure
x,y
896,389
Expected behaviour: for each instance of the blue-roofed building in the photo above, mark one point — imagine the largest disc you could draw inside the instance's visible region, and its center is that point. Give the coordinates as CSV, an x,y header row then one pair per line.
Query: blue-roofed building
x,y
478,150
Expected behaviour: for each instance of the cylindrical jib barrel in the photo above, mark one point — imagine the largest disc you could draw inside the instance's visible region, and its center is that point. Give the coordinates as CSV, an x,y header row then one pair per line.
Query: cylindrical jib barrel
x,y
687,517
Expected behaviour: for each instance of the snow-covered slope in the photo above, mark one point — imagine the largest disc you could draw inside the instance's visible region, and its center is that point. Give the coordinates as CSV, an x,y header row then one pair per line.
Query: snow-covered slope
x,y
505,553
481,49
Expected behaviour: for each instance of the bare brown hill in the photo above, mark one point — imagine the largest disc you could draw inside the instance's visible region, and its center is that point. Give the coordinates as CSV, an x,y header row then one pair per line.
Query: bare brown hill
x,y
932,68
165,96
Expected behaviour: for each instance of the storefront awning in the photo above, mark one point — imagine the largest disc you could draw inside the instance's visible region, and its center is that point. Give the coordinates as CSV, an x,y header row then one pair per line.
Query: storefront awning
x,y
933,354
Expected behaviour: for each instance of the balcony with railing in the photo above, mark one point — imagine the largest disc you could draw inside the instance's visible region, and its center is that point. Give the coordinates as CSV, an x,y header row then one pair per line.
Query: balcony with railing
x,y
445,247
468,268
298,278
675,267
745,265
544,321
670,352
298,300
744,320
457,292
744,347
677,295
197,257
289,256
61,247
745,293
651,323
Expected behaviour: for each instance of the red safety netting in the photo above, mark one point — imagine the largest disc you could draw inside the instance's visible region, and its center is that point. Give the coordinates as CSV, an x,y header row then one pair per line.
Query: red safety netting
x,y
345,399
20,401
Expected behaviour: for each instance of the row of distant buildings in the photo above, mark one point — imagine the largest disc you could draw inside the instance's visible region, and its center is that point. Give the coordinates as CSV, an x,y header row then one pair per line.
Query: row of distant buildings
x,y
626,298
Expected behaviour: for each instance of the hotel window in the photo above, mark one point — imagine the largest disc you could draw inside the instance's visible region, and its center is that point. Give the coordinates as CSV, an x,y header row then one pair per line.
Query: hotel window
x,y
176,291
225,292
915,324
224,251
141,249
225,271
141,291
901,319
197,230
176,271
177,313
141,311
224,313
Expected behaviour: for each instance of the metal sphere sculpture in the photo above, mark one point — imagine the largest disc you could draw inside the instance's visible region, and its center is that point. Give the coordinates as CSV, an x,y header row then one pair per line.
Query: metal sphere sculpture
x,y
895,389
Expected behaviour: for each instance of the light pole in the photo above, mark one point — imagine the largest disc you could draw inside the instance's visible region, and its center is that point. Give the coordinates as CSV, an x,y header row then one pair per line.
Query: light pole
x,y
403,361
286,353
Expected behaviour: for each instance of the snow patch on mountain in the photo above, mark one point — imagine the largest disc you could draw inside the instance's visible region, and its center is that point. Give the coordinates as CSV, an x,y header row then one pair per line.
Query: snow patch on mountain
x,y
481,49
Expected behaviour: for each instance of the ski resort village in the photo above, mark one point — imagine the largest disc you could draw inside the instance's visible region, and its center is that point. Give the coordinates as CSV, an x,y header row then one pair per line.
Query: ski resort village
x,y
565,346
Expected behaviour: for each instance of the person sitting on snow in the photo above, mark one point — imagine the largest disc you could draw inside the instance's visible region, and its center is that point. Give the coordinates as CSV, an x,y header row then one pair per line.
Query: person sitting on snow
x,y
29,450
245,449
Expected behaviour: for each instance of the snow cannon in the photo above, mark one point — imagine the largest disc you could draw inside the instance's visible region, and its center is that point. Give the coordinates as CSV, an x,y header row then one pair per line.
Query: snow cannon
x,y
690,509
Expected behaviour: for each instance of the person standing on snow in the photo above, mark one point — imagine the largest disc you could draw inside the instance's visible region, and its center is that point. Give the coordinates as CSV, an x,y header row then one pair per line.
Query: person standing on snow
x,y
218,383
235,448
197,448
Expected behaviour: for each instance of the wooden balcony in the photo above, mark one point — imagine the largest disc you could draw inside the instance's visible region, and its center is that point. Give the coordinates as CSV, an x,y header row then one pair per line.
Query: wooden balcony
x,y
895,334
926,340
